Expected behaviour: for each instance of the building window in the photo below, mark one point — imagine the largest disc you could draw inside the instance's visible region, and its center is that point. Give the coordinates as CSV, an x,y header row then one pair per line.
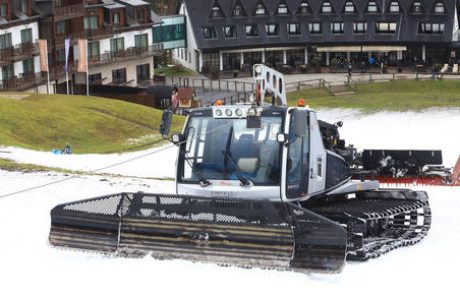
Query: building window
x,y
26,36
431,28
5,41
117,44
327,7
8,72
417,7
394,7
216,11
238,10
282,8
359,27
337,28
141,41
294,29
272,29
439,8
61,28
314,28
3,10
209,33
304,8
91,22
119,76
21,6
142,73
349,7
385,27
252,31
260,9
372,7
230,32
93,51
140,15
95,79
28,66
116,19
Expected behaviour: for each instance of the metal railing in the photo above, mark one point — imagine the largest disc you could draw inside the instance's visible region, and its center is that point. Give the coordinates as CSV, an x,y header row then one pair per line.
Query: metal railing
x,y
18,51
132,52
70,11
23,82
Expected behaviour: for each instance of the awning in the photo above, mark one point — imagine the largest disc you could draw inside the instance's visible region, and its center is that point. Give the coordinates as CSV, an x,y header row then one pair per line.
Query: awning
x,y
374,48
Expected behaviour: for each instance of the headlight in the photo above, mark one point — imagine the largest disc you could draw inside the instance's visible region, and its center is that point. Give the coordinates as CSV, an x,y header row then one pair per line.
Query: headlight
x,y
218,113
239,112
258,69
228,112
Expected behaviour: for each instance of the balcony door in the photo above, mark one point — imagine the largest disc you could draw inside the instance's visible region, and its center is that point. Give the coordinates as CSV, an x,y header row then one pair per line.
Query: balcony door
x,y
8,72
5,41
117,45
142,73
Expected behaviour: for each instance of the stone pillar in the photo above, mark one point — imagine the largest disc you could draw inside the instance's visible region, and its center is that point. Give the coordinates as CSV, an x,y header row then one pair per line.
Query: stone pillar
x,y
284,57
399,55
328,58
241,60
348,56
263,56
200,61
423,52
306,55
221,61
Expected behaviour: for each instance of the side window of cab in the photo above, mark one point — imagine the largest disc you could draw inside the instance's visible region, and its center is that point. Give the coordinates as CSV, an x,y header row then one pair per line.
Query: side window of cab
x,y
298,154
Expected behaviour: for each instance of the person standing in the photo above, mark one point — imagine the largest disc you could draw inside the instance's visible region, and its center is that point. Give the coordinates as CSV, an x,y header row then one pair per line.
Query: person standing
x,y
174,98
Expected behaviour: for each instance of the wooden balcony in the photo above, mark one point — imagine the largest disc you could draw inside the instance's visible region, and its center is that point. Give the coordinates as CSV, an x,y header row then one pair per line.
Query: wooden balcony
x,y
90,34
68,12
18,52
127,54
23,82
99,33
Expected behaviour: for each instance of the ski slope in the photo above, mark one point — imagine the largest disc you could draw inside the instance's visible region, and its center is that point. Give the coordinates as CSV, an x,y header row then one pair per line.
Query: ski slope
x,y
28,265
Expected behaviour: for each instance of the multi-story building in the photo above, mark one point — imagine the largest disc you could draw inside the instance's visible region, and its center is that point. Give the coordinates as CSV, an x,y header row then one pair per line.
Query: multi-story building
x,y
234,34
119,34
19,61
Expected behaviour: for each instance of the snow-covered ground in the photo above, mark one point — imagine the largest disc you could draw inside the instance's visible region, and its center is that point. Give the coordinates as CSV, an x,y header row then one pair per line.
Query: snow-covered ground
x,y
28,265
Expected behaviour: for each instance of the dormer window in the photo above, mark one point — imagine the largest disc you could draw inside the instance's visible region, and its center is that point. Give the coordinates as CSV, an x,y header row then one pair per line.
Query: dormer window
x,y
230,32
372,7
394,7
439,8
417,7
209,33
260,9
349,7
326,7
216,11
282,8
238,10
304,8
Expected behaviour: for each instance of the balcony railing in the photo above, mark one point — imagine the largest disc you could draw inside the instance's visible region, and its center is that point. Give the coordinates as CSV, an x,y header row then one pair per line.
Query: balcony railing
x,y
67,12
17,52
129,53
23,82
99,33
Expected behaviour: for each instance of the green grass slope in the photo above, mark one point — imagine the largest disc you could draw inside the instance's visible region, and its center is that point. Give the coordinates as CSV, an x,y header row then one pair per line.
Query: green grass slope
x,y
88,124
390,96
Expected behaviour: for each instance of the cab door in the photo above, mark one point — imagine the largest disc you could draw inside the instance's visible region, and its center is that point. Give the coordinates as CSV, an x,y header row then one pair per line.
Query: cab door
x,y
298,155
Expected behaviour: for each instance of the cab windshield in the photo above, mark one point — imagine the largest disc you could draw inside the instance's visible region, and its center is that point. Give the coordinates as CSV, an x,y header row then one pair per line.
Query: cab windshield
x,y
225,149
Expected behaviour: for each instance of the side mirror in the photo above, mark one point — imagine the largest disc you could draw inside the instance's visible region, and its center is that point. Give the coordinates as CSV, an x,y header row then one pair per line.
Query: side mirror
x,y
177,139
281,138
165,125
339,124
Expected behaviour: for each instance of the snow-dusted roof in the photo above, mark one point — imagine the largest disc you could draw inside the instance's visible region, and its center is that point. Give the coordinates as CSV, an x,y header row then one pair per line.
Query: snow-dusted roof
x,y
134,2
110,4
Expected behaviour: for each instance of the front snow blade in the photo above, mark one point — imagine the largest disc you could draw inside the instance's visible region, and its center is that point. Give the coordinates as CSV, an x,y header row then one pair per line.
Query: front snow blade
x,y
245,233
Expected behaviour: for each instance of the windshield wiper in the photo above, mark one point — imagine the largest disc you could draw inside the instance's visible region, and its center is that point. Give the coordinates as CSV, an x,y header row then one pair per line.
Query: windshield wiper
x,y
203,181
228,155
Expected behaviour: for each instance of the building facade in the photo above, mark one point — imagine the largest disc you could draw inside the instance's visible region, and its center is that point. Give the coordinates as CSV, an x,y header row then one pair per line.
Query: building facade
x,y
119,34
19,61
234,34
